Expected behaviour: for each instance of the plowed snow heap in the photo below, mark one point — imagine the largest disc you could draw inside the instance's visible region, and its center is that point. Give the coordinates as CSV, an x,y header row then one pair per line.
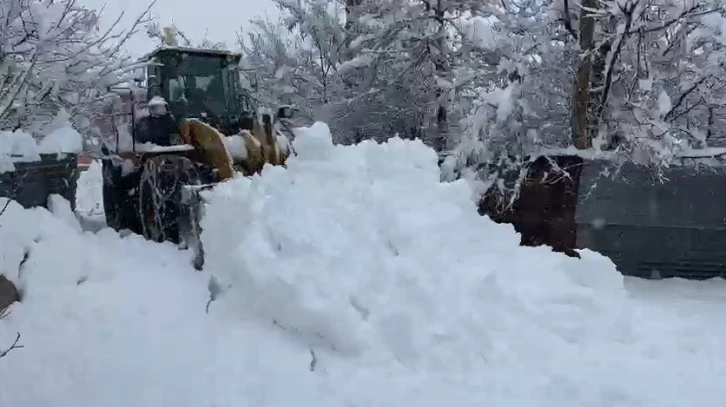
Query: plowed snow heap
x,y
362,251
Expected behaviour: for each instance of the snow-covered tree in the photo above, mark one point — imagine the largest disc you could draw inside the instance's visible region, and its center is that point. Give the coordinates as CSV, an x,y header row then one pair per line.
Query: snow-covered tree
x,y
626,80
295,60
399,75
517,86
53,57
663,94
372,69
280,67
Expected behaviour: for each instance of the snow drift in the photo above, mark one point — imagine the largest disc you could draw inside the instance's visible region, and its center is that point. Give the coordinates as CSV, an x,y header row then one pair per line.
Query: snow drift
x,y
353,277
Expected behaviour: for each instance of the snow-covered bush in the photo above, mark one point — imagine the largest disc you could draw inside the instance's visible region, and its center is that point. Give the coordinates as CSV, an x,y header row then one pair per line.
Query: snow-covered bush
x,y
54,56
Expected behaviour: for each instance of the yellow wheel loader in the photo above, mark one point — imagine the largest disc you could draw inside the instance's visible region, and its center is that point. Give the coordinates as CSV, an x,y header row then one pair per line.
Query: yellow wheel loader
x,y
192,127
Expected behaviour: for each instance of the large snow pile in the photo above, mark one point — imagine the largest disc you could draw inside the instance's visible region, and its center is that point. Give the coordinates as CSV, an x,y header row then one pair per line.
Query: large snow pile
x,y
407,296
351,278
363,251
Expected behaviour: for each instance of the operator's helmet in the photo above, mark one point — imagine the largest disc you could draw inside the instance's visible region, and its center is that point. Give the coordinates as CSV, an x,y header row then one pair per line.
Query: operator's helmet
x,y
157,106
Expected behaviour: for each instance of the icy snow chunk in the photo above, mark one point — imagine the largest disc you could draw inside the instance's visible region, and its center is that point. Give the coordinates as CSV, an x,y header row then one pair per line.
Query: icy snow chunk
x,y
664,103
361,61
502,99
481,32
646,85
35,237
313,143
61,208
284,143
6,165
713,20
157,101
505,104
64,139
17,146
444,83
20,146
236,146
59,136
89,194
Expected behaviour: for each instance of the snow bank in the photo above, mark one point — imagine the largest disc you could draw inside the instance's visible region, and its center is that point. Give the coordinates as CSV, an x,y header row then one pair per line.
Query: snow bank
x,y
19,146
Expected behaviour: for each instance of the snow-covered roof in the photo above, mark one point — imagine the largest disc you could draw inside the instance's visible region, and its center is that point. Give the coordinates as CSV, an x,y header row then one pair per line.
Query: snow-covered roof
x,y
157,101
190,50
20,146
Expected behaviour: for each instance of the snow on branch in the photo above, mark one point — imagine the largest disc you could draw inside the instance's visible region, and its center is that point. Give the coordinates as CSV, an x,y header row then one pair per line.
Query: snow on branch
x,y
53,56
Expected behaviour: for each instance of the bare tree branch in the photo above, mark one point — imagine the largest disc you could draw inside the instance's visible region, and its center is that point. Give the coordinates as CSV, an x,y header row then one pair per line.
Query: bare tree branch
x,y
16,343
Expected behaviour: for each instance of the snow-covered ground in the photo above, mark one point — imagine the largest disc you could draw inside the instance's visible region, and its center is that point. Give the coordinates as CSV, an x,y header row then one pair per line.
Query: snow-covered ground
x,y
351,278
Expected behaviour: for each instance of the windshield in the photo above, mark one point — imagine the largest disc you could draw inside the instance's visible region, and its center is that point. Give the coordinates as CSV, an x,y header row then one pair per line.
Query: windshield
x,y
201,84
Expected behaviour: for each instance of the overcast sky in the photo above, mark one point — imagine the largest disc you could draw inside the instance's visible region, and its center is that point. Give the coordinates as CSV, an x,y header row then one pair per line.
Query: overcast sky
x,y
219,20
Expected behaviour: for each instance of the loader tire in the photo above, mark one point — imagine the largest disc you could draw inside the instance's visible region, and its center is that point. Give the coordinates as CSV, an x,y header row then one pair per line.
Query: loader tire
x,y
160,187
110,202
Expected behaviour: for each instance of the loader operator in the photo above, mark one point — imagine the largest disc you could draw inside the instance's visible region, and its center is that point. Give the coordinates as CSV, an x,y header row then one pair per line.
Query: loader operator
x,y
159,127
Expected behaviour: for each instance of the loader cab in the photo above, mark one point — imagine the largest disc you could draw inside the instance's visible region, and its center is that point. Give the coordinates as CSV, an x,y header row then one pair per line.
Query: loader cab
x,y
199,83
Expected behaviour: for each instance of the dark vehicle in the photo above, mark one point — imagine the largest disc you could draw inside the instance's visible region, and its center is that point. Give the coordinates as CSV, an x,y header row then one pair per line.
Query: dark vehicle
x,y
175,140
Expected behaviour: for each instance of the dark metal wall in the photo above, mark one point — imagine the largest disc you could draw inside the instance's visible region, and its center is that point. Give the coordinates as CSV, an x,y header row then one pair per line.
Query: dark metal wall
x,y
31,183
651,229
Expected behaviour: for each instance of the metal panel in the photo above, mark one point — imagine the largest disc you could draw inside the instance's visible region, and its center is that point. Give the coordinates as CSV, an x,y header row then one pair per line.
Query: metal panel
x,y
651,229
31,183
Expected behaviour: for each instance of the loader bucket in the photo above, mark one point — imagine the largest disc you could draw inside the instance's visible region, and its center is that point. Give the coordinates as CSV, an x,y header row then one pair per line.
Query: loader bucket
x,y
210,143
261,148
